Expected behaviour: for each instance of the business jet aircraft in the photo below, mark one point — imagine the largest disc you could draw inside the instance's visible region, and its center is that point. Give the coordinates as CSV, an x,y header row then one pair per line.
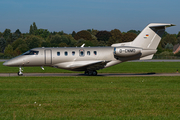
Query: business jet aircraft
x,y
90,59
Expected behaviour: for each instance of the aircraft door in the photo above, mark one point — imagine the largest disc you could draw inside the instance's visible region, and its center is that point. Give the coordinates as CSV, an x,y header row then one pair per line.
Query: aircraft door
x,y
48,56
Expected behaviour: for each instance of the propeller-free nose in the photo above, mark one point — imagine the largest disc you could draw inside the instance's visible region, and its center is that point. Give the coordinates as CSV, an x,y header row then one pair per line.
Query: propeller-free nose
x,y
7,63
13,62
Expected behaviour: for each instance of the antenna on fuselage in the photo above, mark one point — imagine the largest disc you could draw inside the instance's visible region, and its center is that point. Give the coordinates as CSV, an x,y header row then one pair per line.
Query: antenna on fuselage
x,y
82,45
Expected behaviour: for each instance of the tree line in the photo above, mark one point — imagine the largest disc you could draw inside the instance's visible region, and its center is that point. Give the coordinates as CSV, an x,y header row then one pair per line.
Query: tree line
x,y
16,43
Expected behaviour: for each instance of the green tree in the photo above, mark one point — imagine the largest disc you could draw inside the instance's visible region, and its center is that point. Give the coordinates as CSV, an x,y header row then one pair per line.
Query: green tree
x,y
134,31
44,33
94,32
72,41
46,44
9,51
178,38
18,33
83,35
60,33
53,33
12,37
95,42
55,40
73,33
22,48
6,33
1,34
63,45
2,44
65,39
34,42
159,50
101,43
103,36
18,42
165,33
94,37
167,53
116,33
178,35
169,46
116,37
177,54
111,41
17,52
33,28
127,37
89,30
89,43
169,38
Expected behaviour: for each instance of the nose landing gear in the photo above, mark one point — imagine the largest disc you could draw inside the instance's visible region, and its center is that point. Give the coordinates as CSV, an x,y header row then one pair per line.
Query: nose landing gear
x,y
90,72
20,72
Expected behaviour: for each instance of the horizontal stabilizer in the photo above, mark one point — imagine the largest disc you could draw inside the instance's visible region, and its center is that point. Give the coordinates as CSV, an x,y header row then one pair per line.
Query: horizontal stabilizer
x,y
147,57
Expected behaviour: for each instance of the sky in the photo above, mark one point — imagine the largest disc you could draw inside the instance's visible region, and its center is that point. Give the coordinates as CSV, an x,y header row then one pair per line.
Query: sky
x,y
77,15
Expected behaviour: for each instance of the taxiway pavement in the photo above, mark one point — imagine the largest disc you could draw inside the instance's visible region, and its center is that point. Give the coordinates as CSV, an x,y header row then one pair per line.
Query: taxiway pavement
x,y
99,74
152,60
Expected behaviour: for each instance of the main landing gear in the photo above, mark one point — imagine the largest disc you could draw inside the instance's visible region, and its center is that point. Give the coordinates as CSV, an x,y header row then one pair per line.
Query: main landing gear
x,y
20,72
90,72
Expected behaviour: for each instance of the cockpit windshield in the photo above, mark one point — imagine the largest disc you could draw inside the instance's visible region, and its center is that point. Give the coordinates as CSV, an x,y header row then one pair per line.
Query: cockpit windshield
x,y
31,52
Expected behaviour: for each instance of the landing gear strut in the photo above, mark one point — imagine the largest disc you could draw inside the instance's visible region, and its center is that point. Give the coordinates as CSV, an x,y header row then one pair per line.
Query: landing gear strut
x,y
90,72
20,72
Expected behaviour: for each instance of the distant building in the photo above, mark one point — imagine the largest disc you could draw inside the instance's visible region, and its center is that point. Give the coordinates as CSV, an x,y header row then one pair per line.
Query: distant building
x,y
176,48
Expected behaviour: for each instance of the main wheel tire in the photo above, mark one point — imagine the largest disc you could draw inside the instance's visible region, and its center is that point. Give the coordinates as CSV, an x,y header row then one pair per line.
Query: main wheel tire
x,y
90,73
94,73
20,74
86,72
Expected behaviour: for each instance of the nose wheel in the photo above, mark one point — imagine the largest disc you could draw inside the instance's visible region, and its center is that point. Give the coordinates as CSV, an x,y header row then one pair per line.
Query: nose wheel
x,y
20,72
90,73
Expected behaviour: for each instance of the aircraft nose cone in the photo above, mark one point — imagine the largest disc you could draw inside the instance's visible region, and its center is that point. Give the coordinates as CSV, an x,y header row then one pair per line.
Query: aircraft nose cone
x,y
6,63
12,62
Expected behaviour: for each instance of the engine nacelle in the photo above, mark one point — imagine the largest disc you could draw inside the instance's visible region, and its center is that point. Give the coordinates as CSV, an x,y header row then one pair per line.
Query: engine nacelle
x,y
126,51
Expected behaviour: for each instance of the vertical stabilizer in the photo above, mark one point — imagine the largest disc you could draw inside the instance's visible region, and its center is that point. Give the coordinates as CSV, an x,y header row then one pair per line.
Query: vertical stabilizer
x,y
150,37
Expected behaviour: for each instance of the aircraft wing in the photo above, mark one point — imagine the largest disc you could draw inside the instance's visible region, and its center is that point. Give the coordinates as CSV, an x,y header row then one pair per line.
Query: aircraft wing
x,y
97,65
82,65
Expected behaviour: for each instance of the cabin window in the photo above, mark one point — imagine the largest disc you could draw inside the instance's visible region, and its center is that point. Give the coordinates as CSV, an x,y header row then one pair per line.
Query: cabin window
x,y
95,52
31,52
73,53
66,53
58,53
81,52
88,52
114,51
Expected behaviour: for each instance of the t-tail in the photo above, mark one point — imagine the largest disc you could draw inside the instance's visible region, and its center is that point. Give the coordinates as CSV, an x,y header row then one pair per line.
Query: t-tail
x,y
148,40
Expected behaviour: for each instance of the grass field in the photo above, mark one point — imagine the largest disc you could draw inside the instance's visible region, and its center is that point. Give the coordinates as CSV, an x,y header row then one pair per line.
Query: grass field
x,y
40,98
83,97
127,67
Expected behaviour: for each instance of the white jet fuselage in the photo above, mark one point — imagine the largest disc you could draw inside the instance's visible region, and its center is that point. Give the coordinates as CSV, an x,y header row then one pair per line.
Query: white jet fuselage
x,y
78,58
90,59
